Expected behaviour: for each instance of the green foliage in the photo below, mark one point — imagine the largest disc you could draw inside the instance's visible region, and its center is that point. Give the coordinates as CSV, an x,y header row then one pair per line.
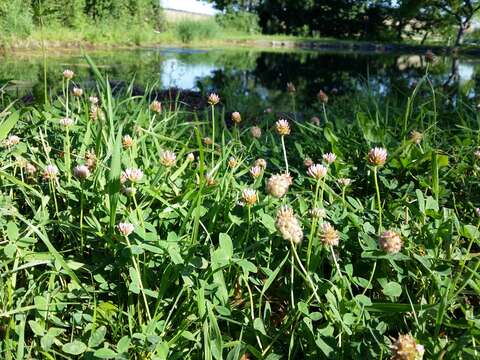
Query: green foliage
x,y
241,21
15,18
190,30
202,276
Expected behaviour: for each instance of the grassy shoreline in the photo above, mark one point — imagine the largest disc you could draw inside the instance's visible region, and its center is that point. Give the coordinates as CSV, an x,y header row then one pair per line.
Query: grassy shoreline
x,y
68,40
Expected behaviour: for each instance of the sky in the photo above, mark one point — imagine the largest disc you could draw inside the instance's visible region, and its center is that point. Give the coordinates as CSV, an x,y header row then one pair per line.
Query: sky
x,y
189,5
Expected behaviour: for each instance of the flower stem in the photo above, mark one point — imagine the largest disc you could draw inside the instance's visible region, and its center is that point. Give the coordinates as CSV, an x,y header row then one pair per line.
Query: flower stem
x,y
213,134
307,275
139,278
284,153
324,113
313,228
81,216
66,154
292,279
379,203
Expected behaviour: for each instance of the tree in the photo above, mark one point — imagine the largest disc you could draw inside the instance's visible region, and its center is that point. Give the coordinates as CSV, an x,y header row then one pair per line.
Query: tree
x,y
459,12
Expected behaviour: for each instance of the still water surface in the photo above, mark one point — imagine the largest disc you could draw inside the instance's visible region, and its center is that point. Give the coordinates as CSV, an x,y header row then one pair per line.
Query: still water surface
x,y
263,74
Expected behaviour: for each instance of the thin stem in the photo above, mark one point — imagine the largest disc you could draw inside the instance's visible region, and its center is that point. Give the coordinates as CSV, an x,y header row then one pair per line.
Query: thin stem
x,y
137,269
66,154
52,189
313,228
336,262
292,279
284,153
307,275
213,134
324,112
81,216
137,209
252,309
379,203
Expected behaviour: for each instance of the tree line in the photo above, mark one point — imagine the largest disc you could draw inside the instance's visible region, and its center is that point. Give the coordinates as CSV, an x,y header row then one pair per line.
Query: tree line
x,y
363,19
75,13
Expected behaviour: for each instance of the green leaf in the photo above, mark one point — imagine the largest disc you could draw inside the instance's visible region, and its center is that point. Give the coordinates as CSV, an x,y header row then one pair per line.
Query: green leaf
x,y
392,289
105,353
268,222
97,337
7,125
12,231
258,325
226,245
74,348
36,328
123,344
10,250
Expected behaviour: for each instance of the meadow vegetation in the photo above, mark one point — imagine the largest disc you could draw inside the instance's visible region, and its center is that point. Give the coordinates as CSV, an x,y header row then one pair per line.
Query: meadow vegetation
x,y
133,228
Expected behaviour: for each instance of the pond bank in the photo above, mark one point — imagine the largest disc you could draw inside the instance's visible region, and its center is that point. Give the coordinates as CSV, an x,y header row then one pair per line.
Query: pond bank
x,y
267,42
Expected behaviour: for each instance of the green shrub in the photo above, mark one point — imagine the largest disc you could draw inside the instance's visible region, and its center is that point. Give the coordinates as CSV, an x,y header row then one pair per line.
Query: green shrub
x,y
189,30
15,18
241,21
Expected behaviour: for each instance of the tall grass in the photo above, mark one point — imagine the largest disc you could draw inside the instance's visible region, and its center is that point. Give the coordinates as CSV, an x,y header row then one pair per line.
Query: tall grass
x,y
203,275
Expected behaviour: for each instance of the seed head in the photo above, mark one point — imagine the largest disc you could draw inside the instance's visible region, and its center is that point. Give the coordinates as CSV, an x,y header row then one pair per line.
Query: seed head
x,y
50,172
90,159
377,156
328,234
329,158
68,74
430,56
81,171
207,141
255,171
283,128
132,175
406,348
168,158
288,226
322,97
477,211
66,122
278,185
125,228
232,162
291,88
315,120
190,157
344,182
156,106
256,132
96,113
317,213
209,180
127,141
77,92
236,117
268,110
416,137
317,171
213,99
93,100
30,168
308,162
261,162
12,140
129,191
390,242
249,196
477,154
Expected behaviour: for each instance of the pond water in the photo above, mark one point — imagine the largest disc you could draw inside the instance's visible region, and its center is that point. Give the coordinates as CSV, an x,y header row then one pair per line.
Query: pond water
x,y
250,72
